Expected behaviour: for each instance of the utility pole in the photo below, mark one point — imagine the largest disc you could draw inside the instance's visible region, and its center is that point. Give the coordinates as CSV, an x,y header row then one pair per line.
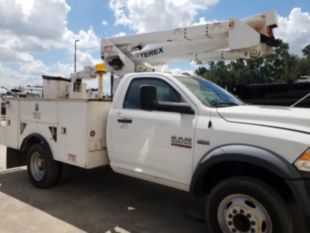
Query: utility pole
x,y
75,42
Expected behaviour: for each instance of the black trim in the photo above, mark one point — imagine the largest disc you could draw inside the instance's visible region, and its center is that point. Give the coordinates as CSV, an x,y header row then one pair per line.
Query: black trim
x,y
203,142
249,154
166,106
180,145
53,131
301,191
35,137
112,86
147,79
55,78
270,41
14,158
98,100
304,174
125,120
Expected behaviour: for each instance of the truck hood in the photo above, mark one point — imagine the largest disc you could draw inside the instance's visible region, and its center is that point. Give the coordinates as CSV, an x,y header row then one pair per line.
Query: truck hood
x,y
295,119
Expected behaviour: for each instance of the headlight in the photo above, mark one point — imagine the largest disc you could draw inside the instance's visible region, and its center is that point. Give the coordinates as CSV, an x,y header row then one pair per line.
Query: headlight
x,y
303,162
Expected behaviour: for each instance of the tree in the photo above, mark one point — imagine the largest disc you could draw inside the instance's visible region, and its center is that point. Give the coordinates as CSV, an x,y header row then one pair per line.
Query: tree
x,y
280,67
306,51
304,63
201,70
304,67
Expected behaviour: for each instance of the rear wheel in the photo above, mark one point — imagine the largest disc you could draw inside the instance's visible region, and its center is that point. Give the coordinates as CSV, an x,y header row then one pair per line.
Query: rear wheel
x,y
43,171
243,204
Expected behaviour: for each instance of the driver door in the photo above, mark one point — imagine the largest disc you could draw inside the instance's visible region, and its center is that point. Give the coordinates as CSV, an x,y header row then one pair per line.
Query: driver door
x,y
154,144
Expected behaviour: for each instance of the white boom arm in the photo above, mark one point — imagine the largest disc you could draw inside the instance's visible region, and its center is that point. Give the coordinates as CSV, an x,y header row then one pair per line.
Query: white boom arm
x,y
229,40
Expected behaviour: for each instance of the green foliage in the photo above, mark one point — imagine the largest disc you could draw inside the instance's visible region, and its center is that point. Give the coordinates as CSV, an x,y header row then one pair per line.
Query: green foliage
x,y
306,51
280,67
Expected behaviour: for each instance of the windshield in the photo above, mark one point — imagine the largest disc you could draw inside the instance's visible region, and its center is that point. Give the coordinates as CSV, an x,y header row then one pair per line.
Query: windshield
x,y
208,92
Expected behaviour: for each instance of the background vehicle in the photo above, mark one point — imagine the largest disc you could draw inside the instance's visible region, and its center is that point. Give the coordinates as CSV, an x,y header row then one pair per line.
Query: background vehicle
x,y
250,162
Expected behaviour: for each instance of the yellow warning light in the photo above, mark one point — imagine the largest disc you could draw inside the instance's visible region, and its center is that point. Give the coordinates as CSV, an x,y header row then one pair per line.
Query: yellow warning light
x,y
101,68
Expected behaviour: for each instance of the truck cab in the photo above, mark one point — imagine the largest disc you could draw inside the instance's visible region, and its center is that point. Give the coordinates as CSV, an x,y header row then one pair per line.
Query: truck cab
x,y
188,133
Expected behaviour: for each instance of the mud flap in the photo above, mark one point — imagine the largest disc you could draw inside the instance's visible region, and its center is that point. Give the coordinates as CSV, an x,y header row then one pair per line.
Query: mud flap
x,y
14,158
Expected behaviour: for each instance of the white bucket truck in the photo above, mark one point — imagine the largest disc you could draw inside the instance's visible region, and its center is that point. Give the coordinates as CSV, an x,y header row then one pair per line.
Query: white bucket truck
x,y
251,162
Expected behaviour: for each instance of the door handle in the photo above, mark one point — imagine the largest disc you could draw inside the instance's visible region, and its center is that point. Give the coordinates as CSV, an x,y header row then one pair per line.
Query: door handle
x,y
125,120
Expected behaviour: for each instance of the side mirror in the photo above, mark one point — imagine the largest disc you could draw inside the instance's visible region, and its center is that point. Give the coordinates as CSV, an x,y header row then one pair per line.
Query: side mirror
x,y
148,97
183,108
148,101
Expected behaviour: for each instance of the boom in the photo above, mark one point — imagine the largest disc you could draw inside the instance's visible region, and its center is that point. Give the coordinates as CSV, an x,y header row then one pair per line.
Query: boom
x,y
229,40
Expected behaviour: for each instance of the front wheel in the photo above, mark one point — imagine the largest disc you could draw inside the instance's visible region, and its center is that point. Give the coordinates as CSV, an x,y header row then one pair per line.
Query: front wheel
x,y
43,171
244,204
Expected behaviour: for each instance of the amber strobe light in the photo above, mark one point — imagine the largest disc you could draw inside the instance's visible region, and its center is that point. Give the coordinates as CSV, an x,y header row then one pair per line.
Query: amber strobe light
x,y
303,162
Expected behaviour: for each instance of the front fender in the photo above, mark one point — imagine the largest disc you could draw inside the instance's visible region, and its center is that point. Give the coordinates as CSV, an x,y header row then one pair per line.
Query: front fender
x,y
247,154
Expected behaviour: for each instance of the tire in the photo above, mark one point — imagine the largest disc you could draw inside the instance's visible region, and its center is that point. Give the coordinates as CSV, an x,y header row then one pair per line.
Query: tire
x,y
43,171
244,204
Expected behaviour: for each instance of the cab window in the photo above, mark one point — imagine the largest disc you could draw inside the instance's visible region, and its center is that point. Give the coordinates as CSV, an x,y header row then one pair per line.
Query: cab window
x,y
164,92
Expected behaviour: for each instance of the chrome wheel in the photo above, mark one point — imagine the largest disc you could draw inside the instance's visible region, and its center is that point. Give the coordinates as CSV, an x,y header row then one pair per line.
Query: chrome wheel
x,y
240,213
37,167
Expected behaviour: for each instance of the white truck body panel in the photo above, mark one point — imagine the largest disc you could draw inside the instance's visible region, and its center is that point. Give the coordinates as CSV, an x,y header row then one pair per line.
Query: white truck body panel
x,y
54,89
149,154
286,143
2,133
282,117
227,40
150,150
73,121
13,114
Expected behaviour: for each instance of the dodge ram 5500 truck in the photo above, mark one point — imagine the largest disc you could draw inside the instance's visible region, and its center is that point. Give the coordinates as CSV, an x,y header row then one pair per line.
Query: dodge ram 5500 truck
x,y
252,163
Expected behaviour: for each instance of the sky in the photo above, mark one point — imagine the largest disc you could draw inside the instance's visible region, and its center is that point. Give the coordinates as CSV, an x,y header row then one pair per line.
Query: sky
x,y
37,36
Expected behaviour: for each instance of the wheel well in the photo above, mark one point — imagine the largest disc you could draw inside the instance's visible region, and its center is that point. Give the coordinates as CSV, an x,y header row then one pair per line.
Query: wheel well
x,y
219,172
17,158
30,141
